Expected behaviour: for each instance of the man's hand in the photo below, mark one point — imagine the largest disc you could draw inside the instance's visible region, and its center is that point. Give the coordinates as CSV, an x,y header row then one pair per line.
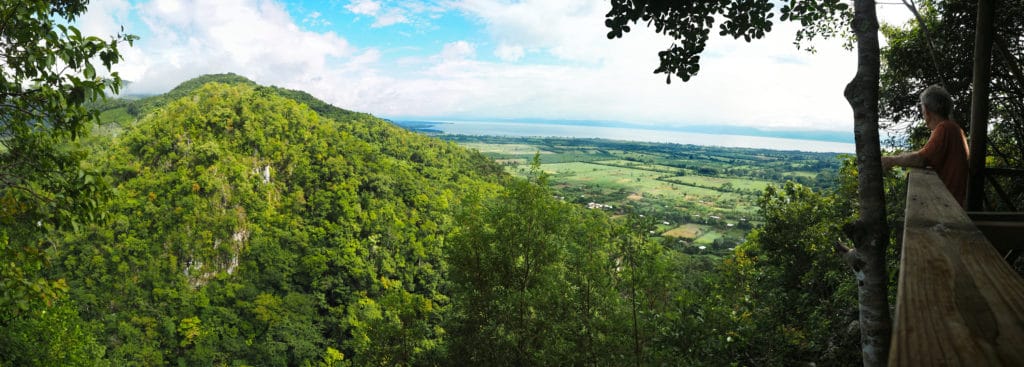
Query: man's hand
x,y
911,159
887,163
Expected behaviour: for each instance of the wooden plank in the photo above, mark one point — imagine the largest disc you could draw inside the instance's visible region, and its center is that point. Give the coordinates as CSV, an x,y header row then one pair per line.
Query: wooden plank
x,y
1005,236
997,216
958,302
1004,230
1004,171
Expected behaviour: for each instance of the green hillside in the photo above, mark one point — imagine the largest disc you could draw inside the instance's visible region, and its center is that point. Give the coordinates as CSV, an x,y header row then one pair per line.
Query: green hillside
x,y
247,225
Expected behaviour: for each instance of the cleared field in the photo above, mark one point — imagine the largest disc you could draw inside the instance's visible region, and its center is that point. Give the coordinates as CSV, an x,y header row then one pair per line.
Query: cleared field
x,y
119,115
689,231
708,238
510,149
634,184
738,183
628,179
804,174
638,165
683,186
701,194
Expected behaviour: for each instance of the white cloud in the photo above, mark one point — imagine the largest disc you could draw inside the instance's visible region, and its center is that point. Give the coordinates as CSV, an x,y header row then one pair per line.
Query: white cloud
x,y
390,17
457,50
383,17
364,7
764,83
509,53
104,18
315,19
894,13
254,38
572,30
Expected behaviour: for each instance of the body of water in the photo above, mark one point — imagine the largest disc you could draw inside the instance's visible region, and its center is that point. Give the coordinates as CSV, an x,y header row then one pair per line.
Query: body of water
x,y
632,134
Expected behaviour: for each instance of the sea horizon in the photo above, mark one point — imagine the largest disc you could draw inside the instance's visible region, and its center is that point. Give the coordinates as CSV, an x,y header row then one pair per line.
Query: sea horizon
x,y
631,133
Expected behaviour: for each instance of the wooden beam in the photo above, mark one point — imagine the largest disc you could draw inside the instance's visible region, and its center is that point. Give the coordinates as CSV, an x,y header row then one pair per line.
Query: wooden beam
x,y
1001,171
958,302
997,216
979,103
1005,231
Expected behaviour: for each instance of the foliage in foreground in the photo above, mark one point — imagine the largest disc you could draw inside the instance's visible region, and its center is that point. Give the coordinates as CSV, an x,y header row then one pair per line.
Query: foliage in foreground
x,y
48,72
248,229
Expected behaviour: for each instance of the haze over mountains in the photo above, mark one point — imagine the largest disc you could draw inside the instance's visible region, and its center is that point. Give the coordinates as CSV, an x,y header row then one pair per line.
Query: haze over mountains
x,y
806,134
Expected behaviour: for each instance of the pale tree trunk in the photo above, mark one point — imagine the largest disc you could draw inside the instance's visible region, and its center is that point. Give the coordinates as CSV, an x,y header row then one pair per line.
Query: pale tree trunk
x,y
870,233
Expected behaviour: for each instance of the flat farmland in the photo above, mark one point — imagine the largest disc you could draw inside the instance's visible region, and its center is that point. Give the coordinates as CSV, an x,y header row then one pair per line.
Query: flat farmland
x,y
720,182
704,196
636,184
633,180
643,166
506,149
707,238
687,231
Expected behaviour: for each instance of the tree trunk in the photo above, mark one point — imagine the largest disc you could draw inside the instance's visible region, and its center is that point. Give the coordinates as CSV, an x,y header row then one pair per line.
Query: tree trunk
x,y
979,104
870,233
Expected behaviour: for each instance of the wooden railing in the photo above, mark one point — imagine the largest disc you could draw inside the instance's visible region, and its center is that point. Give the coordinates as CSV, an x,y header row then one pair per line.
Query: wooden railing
x,y
958,303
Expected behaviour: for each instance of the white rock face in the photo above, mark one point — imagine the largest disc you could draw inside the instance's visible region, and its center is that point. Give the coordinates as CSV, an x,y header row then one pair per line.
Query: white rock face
x,y
199,274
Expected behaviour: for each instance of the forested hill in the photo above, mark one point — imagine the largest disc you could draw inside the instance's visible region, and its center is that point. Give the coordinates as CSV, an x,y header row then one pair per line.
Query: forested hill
x,y
243,225
246,226
385,136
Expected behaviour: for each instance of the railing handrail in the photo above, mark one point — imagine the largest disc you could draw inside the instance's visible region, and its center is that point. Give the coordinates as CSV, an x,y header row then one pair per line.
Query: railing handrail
x,y
958,302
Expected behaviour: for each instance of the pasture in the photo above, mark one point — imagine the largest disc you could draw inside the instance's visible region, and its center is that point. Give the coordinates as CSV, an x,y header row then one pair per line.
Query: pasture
x,y
695,193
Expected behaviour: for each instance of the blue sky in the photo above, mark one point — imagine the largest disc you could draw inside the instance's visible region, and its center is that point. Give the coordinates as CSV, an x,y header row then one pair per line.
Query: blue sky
x,y
479,59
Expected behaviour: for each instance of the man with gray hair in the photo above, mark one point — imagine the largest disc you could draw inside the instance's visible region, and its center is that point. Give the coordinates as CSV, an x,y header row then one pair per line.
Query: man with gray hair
x,y
946,150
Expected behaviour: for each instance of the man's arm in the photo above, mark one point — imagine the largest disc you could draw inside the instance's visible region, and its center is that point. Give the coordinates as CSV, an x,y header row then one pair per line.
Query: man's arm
x,y
909,159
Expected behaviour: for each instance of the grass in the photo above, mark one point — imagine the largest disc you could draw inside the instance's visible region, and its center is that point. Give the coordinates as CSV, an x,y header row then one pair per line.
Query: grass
x,y
675,183
639,165
705,181
635,184
688,231
627,179
708,238
117,115
506,149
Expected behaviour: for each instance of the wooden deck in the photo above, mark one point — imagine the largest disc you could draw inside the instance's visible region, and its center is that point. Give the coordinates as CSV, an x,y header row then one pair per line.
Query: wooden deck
x,y
958,303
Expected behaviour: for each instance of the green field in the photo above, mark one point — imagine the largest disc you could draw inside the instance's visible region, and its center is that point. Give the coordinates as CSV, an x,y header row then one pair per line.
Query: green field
x,y
707,238
702,196
506,149
719,182
687,231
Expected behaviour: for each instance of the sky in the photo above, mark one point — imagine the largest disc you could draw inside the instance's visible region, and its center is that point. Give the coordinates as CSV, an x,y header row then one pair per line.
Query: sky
x,y
480,59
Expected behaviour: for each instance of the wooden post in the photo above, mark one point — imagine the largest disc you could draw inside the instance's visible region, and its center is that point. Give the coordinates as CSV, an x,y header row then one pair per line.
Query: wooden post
x,y
979,104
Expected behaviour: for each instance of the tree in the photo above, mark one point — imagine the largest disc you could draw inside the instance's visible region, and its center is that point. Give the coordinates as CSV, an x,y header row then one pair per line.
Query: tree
x,y
48,77
690,23
799,297
905,73
508,279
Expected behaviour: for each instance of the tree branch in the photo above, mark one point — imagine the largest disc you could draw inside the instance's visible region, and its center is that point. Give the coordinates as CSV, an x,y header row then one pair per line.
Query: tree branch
x,y
1011,62
928,39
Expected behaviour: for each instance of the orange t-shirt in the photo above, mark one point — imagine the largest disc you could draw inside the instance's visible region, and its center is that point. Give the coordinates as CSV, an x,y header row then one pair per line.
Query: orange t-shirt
x,y
946,152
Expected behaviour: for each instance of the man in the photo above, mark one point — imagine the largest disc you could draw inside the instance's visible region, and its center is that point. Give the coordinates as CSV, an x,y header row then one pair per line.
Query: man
x,y
946,150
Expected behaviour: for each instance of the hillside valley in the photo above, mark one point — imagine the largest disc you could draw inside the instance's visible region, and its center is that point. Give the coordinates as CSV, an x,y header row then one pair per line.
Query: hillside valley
x,y
245,225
